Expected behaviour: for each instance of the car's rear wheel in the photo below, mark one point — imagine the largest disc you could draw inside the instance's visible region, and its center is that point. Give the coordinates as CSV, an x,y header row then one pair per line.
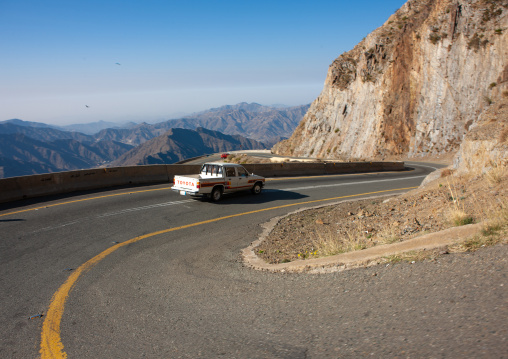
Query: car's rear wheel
x,y
256,189
216,194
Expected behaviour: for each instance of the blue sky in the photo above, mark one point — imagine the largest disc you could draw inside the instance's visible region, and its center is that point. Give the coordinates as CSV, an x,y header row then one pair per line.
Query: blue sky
x,y
151,60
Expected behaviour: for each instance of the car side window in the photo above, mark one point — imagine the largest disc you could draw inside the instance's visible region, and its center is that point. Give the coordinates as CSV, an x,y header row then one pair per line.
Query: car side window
x,y
230,171
242,172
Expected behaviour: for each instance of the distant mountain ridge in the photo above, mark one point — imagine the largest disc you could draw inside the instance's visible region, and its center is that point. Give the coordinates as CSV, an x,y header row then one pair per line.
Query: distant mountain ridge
x,y
178,144
21,155
94,127
261,123
40,132
29,147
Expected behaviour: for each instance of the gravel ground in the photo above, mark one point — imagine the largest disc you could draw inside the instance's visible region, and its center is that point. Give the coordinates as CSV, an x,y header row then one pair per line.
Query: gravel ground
x,y
445,202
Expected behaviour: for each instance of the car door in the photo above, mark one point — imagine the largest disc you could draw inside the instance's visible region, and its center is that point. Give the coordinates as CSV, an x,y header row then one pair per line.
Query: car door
x,y
231,178
241,180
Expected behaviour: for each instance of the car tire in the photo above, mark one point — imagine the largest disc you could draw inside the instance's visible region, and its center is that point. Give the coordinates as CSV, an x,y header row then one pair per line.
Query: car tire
x,y
256,189
216,194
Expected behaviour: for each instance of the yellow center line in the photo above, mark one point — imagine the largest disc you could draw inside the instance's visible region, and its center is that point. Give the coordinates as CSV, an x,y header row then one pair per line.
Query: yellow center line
x,y
51,341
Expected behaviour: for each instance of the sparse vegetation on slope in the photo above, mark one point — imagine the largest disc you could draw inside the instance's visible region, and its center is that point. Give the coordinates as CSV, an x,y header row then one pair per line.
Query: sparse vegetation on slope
x,y
362,224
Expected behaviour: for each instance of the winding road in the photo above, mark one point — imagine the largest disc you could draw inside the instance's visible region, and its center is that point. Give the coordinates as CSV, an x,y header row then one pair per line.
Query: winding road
x,y
146,273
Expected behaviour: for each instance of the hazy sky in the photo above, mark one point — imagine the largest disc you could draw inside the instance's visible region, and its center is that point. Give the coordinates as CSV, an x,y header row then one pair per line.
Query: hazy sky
x,y
132,60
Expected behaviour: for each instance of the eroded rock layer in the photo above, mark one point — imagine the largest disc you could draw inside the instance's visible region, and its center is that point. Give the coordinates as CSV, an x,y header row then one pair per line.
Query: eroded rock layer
x,y
413,87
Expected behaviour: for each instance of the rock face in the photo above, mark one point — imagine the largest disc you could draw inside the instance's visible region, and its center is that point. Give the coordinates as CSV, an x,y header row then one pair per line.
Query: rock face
x,y
485,146
413,87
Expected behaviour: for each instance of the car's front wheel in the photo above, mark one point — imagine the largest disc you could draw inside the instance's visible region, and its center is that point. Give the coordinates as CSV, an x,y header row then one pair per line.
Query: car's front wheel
x,y
256,189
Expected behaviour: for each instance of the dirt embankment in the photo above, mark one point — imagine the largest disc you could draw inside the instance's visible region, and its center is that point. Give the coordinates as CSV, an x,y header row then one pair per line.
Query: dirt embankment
x,y
446,202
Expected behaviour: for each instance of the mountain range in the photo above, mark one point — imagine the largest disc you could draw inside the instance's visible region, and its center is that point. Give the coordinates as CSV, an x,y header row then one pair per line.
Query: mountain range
x,y
178,144
30,147
265,124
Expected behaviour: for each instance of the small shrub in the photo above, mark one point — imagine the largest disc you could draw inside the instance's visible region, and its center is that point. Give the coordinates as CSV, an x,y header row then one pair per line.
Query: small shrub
x,y
459,218
490,229
488,100
474,43
456,214
492,85
446,172
434,38
486,16
472,244
498,31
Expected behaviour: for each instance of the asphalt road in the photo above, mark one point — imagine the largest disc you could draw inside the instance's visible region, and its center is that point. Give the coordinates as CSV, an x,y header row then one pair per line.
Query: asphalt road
x,y
173,284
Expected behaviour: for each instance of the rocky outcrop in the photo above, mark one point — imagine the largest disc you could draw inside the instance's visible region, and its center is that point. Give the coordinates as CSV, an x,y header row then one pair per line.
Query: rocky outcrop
x,y
485,146
413,87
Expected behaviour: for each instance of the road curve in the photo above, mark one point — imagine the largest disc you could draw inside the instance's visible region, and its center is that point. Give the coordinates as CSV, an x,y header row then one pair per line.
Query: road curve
x,y
149,273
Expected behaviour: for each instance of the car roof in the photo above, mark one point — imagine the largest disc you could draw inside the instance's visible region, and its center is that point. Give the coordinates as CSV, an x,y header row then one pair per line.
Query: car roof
x,y
223,164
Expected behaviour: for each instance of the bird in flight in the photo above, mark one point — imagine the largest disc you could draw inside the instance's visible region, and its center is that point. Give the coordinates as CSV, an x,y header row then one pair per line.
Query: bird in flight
x,y
117,63
87,106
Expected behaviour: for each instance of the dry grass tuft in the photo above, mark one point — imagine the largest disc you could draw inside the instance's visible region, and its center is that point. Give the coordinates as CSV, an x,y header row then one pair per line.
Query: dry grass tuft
x,y
330,243
456,213
493,232
458,217
328,246
496,175
413,256
389,234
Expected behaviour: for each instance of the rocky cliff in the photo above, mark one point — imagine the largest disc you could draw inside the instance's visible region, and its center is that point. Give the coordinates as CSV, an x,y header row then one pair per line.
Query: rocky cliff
x,y
413,87
485,146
